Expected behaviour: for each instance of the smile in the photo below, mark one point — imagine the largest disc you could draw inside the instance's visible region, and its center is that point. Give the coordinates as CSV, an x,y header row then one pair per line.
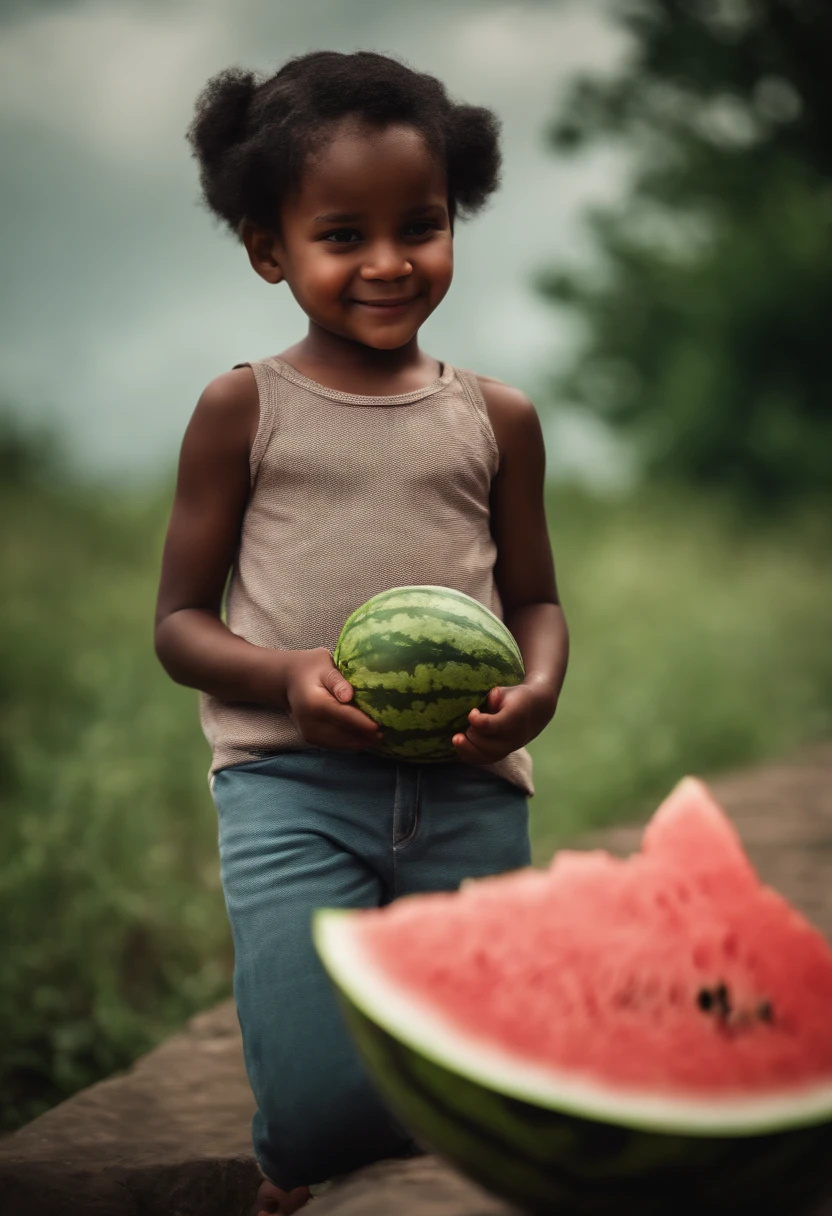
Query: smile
x,y
387,305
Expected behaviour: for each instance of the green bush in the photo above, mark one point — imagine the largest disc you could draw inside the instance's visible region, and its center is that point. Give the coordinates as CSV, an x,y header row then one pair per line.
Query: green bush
x,y
701,309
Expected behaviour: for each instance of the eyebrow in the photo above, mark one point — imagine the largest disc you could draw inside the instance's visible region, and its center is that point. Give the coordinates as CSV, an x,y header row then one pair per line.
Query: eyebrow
x,y
348,217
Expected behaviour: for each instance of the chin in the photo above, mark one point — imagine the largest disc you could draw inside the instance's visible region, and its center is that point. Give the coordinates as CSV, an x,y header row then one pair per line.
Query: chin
x,y
390,339
386,343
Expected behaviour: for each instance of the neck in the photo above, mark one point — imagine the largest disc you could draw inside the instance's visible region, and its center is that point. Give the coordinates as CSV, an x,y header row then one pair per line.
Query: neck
x,y
340,354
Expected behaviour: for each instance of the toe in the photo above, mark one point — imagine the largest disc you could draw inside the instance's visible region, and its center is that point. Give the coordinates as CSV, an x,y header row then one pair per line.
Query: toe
x,y
293,1200
272,1201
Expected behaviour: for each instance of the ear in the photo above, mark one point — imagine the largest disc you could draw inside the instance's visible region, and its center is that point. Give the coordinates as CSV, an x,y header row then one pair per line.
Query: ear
x,y
263,248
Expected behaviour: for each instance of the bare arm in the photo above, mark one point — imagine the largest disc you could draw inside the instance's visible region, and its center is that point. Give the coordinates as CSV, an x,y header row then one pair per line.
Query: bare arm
x,y
525,576
525,570
193,644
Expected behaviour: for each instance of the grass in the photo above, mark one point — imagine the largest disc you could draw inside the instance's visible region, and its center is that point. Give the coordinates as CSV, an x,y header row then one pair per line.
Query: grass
x,y
114,927
699,641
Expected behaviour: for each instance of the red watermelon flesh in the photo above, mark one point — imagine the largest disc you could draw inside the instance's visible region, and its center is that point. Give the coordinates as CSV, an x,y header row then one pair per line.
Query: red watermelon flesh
x,y
673,971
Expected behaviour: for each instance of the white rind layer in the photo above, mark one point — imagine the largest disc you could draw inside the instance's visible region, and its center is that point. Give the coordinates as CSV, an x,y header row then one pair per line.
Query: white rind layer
x,y
435,1037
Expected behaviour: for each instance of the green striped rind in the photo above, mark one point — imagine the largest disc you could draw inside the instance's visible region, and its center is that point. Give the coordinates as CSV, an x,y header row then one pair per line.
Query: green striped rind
x,y
544,1154
420,659
549,1161
425,596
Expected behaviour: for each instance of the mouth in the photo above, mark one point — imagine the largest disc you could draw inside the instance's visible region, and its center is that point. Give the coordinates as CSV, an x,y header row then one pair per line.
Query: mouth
x,y
387,305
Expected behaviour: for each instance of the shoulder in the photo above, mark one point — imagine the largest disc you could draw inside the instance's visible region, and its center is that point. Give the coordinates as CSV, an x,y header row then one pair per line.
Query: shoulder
x,y
504,399
230,393
228,408
511,413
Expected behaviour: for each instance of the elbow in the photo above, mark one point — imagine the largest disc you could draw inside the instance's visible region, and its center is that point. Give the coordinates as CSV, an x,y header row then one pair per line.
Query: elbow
x,y
181,642
162,646
159,643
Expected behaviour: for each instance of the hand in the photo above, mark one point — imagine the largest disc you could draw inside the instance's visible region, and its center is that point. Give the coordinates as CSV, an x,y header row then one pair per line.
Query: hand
x,y
511,718
318,697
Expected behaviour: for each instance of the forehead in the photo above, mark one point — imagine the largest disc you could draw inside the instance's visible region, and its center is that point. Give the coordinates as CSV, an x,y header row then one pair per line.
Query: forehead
x,y
362,168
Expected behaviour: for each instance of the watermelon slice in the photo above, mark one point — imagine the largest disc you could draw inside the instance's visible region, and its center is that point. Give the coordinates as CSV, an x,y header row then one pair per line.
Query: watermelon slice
x,y
651,1035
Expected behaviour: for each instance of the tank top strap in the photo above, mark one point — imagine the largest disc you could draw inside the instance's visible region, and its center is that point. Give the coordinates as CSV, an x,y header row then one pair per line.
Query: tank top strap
x,y
267,379
471,387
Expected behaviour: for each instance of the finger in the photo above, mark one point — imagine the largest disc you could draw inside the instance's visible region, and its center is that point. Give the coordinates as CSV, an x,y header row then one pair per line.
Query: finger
x,y
488,724
493,737
353,721
468,751
345,733
349,718
335,683
494,702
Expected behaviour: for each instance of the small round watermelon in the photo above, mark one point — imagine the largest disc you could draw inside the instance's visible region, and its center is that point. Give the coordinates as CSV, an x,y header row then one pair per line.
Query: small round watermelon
x,y
632,1037
420,659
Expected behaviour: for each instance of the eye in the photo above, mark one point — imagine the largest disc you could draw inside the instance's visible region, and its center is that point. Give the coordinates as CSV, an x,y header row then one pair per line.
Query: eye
x,y
341,236
425,226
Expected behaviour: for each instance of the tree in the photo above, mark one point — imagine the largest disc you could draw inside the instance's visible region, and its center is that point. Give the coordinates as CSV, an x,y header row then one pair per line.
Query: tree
x,y
707,317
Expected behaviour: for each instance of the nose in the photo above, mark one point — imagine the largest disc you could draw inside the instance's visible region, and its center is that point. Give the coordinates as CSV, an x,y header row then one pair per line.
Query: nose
x,y
386,260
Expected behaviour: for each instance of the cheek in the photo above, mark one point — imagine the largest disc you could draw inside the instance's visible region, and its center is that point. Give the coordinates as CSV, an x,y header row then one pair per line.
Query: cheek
x,y
327,275
439,264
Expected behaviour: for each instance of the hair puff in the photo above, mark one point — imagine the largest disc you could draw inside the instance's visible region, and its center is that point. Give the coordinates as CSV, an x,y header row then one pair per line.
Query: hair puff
x,y
252,137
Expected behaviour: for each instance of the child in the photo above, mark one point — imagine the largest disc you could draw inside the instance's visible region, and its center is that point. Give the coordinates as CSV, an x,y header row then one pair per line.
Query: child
x,y
348,464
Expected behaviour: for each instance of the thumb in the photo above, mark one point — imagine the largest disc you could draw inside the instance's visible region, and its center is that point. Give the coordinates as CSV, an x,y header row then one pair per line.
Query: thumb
x,y
495,699
340,688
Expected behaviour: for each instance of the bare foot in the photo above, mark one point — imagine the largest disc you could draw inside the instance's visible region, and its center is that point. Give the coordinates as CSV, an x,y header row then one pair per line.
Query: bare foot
x,y
271,1200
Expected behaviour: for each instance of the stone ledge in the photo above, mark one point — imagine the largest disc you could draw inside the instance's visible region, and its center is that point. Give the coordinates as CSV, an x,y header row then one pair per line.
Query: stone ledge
x,y
410,1188
215,1188
171,1136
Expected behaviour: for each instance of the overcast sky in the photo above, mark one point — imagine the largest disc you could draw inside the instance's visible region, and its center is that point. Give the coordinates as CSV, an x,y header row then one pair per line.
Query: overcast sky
x,y
121,298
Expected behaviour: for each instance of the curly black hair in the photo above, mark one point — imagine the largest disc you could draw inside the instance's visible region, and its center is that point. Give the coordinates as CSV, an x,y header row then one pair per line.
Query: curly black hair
x,y
251,136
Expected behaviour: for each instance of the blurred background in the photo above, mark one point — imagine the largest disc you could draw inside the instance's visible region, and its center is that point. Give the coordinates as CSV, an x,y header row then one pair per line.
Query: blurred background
x,y
656,273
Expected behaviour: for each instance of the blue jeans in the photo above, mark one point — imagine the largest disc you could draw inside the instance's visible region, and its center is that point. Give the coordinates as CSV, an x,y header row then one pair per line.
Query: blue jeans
x,y
305,830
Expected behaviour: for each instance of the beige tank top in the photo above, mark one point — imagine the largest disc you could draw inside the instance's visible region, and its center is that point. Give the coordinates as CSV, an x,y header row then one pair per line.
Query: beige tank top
x,y
351,495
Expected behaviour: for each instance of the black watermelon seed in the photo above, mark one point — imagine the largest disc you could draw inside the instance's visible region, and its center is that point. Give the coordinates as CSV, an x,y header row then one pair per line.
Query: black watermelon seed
x,y
723,1000
705,999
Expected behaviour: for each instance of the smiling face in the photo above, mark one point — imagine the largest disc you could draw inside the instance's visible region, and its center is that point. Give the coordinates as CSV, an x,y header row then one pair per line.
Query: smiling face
x,y
365,242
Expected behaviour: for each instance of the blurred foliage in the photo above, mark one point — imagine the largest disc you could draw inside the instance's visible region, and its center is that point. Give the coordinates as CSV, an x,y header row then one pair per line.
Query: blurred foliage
x,y
698,642
28,457
113,923
706,315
